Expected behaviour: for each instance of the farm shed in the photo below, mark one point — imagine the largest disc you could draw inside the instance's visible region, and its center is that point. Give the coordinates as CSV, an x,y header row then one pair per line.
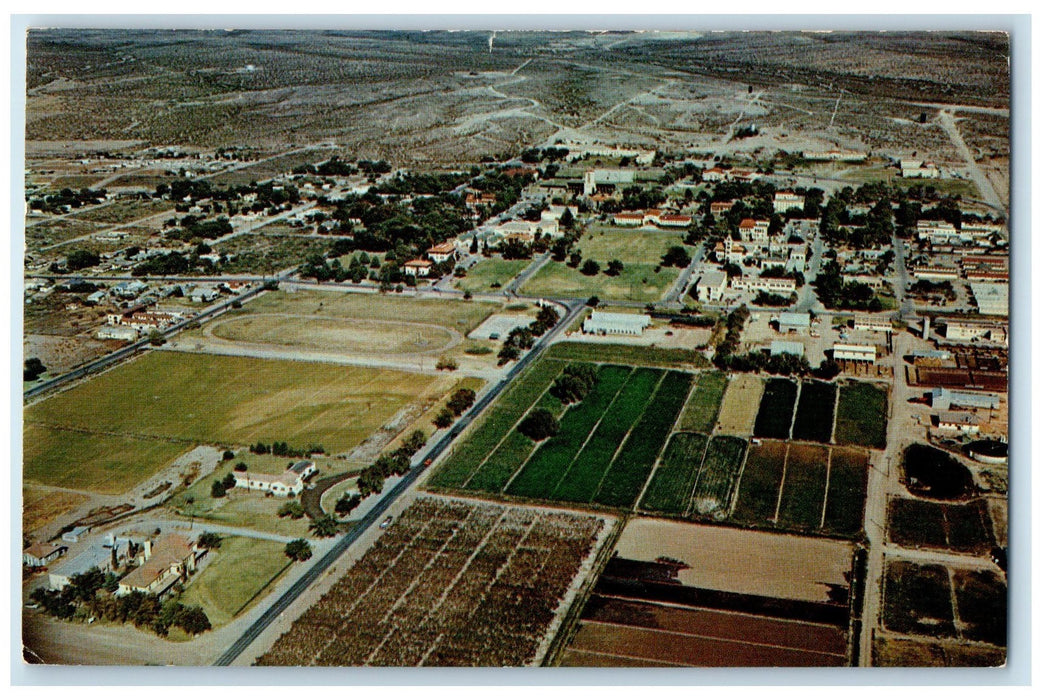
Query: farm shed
x,y
854,353
944,399
786,347
958,421
790,321
606,323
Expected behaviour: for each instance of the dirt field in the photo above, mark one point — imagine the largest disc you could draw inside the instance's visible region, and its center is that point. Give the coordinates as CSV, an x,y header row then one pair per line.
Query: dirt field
x,y
60,354
782,566
740,404
41,506
326,332
703,649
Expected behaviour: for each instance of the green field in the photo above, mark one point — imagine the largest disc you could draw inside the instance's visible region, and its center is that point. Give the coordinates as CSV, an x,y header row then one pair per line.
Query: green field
x,y
760,484
718,476
803,491
674,479
861,415
241,570
962,527
584,476
980,598
625,478
109,464
918,600
213,399
848,484
703,405
490,274
774,417
636,355
814,412
470,456
604,452
637,282
541,474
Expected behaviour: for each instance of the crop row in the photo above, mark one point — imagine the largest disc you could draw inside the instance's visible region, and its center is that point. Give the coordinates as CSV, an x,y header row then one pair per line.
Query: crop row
x,y
450,583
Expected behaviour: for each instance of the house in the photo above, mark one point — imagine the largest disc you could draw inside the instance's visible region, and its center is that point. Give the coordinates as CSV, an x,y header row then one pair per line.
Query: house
x,y
786,347
714,175
165,562
43,553
103,554
418,268
289,483
442,252
97,297
711,286
853,353
789,321
784,201
674,220
129,290
730,251
958,422
918,169
204,293
992,299
864,322
605,323
144,321
75,534
718,209
937,232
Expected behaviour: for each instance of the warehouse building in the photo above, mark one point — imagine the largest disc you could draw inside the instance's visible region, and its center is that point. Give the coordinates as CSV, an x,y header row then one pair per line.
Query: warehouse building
x,y
943,399
789,321
606,323
992,299
853,353
786,347
958,422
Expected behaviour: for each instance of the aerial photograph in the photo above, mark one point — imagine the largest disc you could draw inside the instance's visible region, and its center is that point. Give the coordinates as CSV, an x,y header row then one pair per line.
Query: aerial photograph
x,y
574,348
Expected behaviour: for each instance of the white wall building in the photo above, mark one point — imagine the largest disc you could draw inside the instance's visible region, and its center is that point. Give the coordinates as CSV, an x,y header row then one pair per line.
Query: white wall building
x,y
606,323
854,353
711,286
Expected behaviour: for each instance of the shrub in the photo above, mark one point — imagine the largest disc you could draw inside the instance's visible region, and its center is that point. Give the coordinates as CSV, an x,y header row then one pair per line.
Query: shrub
x,y
210,540
298,550
291,509
444,419
217,490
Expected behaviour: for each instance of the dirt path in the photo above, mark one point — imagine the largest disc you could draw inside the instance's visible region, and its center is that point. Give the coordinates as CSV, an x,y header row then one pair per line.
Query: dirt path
x,y
984,186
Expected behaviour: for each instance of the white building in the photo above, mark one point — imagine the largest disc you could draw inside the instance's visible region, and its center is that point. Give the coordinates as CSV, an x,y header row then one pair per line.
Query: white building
x,y
784,201
109,332
793,321
992,299
774,285
753,230
787,347
593,178
958,422
854,353
969,330
442,252
418,268
43,553
875,324
288,483
606,323
711,286
918,169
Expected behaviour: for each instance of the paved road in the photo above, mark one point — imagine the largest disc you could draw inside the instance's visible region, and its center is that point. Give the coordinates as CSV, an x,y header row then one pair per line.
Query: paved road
x,y
385,503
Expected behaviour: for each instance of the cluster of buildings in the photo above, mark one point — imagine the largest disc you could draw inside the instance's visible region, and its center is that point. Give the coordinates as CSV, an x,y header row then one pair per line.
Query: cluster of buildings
x,y
136,321
289,483
652,217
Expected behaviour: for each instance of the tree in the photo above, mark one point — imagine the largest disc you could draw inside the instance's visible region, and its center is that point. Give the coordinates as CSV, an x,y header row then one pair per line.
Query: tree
x,y
33,369
298,550
80,259
615,268
209,540
539,425
444,418
228,454
676,256
347,503
593,301
567,221
156,337
461,400
291,509
192,619
228,482
590,268
217,490
325,526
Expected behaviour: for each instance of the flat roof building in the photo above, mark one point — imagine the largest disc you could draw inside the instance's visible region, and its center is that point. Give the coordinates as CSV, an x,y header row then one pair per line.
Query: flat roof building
x,y
793,321
992,298
853,353
606,323
711,286
786,347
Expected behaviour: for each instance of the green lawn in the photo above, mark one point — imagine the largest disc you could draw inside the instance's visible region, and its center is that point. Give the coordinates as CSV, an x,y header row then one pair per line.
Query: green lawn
x,y
848,483
774,417
604,243
760,483
235,400
109,464
232,583
240,508
704,403
637,282
814,412
803,493
490,274
861,415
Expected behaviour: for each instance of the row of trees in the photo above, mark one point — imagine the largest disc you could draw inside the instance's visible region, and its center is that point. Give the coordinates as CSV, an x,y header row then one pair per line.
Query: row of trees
x,y
371,480
458,403
523,337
